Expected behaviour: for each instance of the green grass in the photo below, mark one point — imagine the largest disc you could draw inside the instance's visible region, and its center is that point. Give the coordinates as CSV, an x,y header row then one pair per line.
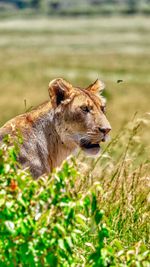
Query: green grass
x,y
96,217
81,50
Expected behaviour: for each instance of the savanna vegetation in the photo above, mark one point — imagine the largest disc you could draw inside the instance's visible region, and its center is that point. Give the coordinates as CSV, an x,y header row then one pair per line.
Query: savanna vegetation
x,y
90,212
75,7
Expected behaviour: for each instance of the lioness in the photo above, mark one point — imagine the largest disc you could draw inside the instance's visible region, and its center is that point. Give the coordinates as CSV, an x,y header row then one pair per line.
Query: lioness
x,y
73,117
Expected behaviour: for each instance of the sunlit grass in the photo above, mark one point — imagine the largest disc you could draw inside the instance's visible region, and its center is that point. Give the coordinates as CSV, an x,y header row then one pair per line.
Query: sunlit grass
x,y
122,170
99,206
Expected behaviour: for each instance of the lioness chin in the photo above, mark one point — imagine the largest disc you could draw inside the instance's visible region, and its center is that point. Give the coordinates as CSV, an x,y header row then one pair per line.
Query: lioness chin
x,y
73,117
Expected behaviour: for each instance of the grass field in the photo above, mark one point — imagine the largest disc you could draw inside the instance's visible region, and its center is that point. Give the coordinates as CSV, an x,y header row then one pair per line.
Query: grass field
x,y
33,52
81,50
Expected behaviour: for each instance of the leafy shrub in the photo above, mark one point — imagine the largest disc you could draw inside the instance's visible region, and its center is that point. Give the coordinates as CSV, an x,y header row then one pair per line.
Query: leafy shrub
x,y
44,222
98,217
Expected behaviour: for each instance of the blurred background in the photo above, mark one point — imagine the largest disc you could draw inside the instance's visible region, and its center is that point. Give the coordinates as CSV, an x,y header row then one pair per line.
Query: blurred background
x,y
79,40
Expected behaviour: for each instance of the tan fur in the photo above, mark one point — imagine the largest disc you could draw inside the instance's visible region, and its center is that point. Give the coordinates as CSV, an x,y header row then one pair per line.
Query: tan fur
x,y
72,118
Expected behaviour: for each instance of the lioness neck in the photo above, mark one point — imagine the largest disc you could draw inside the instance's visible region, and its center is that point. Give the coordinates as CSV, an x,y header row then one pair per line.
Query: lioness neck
x,y
42,148
45,148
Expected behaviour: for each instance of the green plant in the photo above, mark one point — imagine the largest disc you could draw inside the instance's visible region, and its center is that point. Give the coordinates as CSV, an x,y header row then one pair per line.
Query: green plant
x,y
98,217
44,222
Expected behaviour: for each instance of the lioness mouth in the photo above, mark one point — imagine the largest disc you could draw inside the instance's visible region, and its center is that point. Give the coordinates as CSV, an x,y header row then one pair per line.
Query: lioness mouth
x,y
89,148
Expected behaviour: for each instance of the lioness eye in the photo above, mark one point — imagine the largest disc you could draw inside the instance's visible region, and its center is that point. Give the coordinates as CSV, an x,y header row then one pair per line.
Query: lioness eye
x,y
103,109
85,108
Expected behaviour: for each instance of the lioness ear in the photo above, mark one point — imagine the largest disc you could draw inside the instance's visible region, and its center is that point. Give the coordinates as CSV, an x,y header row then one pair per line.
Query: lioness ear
x,y
96,87
59,90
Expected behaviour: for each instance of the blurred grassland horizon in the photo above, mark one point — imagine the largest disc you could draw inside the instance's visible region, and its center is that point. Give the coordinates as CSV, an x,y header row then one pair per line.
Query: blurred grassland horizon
x,y
73,7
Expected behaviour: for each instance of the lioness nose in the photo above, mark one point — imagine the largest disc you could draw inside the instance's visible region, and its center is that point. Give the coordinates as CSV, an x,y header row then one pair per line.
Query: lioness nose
x,y
104,130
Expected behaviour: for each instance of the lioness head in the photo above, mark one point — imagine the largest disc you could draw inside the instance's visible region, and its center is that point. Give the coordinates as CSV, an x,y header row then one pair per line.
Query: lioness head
x,y
79,115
